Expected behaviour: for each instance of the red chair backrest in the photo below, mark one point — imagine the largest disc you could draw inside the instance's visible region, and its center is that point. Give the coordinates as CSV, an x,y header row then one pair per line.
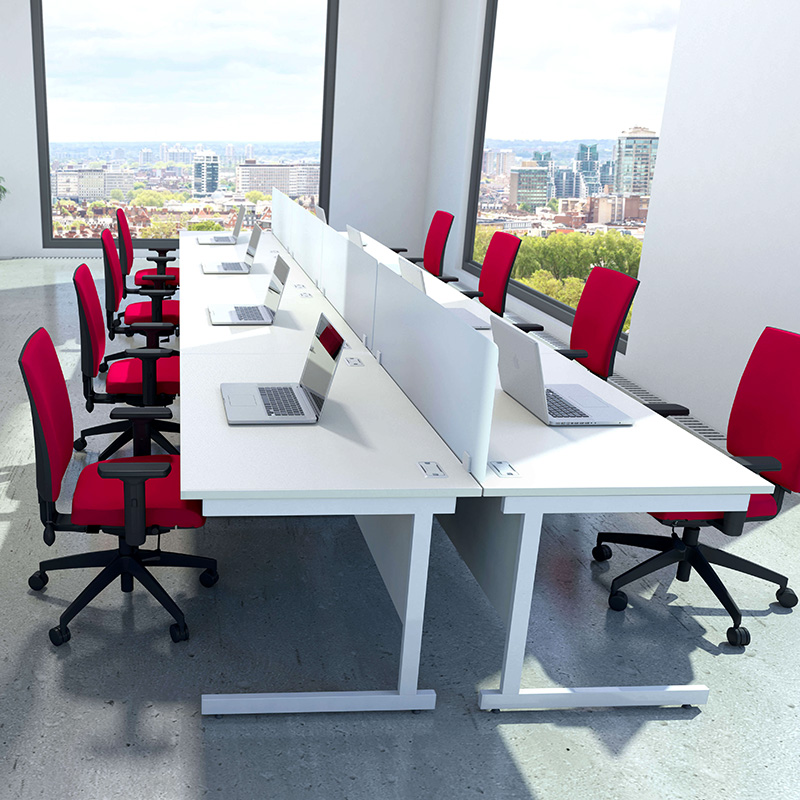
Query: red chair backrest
x,y
772,374
51,412
125,242
113,271
439,230
496,270
600,317
90,313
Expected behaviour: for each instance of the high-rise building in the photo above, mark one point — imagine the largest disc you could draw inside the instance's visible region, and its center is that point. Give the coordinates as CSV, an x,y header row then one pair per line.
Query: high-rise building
x,y
587,163
529,185
180,154
497,162
635,161
145,156
567,182
248,151
80,184
206,173
230,155
163,152
295,180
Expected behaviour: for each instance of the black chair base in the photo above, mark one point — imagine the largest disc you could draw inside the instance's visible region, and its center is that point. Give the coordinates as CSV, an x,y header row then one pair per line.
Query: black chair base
x,y
689,555
140,432
125,563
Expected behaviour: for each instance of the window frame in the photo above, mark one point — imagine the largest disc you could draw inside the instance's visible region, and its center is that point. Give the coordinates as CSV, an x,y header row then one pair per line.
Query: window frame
x,y
553,308
43,138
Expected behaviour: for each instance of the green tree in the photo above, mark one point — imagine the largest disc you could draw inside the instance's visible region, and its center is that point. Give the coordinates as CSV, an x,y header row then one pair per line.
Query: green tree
x,y
116,194
160,229
255,196
3,189
552,204
139,185
616,251
206,225
150,198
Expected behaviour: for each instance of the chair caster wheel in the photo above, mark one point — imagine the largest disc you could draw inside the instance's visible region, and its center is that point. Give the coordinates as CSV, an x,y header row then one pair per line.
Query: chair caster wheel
x,y
103,366
79,444
618,601
209,578
602,552
738,637
38,581
59,635
177,633
786,597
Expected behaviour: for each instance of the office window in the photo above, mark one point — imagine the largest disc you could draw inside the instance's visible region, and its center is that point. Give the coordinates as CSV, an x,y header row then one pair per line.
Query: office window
x,y
177,112
570,141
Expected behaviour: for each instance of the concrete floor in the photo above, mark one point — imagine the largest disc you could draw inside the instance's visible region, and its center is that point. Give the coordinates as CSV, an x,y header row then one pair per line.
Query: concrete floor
x,y
115,713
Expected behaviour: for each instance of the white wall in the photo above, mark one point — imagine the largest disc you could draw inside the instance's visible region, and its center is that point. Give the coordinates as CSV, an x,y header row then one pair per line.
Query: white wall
x,y
385,78
720,259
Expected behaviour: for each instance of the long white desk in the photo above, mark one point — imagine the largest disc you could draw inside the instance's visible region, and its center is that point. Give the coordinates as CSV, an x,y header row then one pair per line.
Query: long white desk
x,y
362,458
652,466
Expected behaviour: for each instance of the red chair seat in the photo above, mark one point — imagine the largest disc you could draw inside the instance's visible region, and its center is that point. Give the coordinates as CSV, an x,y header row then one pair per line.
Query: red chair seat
x,y
142,312
99,501
761,505
125,377
173,271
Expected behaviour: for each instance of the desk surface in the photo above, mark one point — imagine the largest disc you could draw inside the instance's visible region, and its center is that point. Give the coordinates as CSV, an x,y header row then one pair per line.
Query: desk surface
x,y
299,310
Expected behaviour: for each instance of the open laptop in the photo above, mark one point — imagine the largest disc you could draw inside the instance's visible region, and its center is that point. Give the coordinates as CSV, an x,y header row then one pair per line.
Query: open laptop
x,y
292,403
254,315
521,377
355,236
236,267
228,238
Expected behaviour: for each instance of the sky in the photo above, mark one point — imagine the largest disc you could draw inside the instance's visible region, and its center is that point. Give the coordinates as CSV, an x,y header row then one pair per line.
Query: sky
x,y
576,69
184,71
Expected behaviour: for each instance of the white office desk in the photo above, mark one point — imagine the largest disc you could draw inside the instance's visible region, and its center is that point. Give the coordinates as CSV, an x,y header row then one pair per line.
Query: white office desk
x,y
652,466
362,458
294,324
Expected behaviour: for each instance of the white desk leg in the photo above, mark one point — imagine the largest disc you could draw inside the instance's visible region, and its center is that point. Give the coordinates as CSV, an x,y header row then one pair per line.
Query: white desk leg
x,y
501,550
400,545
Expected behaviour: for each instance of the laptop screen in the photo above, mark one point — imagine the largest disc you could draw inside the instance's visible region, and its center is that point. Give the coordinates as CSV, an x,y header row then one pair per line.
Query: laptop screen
x,y
238,227
323,355
252,246
276,285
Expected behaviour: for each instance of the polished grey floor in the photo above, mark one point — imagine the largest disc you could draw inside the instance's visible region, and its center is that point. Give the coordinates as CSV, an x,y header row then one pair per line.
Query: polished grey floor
x,y
115,713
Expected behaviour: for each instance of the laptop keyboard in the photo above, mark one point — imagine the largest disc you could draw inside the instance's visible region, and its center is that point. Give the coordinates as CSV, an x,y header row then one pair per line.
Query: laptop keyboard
x,y
232,266
559,408
223,239
248,313
280,401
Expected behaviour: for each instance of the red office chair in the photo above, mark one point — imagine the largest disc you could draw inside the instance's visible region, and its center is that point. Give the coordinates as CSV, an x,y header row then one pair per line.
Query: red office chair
x,y
435,243
160,309
495,275
130,498
148,377
766,441
599,319
160,277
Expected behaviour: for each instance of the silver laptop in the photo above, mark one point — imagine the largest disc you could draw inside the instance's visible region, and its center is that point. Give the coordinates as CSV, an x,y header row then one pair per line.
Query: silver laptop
x,y
236,267
228,238
254,315
355,236
412,274
292,403
521,377
471,319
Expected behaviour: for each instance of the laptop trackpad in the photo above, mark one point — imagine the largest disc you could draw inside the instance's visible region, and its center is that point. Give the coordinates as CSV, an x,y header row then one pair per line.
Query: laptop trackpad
x,y
586,399
241,400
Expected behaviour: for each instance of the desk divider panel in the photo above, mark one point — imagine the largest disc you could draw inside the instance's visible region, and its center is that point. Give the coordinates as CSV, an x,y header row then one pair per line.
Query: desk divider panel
x,y
348,282
445,367
307,235
280,216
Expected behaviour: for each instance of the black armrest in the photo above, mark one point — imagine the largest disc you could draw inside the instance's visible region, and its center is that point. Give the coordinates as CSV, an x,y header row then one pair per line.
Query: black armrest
x,y
471,293
157,292
147,412
399,249
162,251
145,353
529,326
133,474
415,259
572,354
161,259
668,409
759,463
156,278
448,278
144,327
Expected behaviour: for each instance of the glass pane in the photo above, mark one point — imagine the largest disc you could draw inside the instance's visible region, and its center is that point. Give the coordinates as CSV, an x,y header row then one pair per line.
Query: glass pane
x,y
180,118
575,102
